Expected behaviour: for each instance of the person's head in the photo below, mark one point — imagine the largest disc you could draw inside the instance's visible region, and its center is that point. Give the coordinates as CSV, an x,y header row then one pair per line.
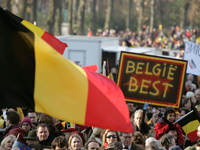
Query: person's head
x,y
8,142
12,118
126,138
110,136
130,106
92,144
59,143
169,114
151,147
198,131
186,103
190,77
183,111
115,146
174,133
31,137
46,147
154,118
32,115
197,94
149,115
80,134
44,118
138,117
167,141
34,146
138,138
42,132
75,142
151,141
26,124
188,85
190,95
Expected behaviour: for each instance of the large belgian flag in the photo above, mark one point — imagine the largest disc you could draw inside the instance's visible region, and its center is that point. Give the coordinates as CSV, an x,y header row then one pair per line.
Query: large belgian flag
x,y
35,75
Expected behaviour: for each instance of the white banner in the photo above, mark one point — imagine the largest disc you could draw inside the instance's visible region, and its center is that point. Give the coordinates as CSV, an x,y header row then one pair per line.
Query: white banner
x,y
192,55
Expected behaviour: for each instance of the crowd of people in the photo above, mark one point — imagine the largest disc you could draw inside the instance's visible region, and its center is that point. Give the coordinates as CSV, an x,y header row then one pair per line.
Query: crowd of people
x,y
154,129
172,38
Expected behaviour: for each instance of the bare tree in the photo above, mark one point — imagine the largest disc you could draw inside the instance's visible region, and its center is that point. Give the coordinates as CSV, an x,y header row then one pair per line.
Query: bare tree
x,y
34,14
184,8
22,8
70,12
8,5
93,27
140,15
51,16
81,17
128,20
58,17
161,11
108,20
151,15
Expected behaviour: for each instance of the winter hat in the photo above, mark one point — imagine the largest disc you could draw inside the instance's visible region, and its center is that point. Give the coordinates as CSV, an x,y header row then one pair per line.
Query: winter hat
x,y
28,120
168,110
31,135
80,134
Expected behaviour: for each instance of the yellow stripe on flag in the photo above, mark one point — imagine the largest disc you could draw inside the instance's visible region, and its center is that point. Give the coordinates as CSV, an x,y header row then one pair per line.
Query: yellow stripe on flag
x,y
191,126
33,28
69,94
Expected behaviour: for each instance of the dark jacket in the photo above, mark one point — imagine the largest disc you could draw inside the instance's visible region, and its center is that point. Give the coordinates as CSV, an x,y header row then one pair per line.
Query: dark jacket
x,y
162,128
15,130
136,147
145,130
46,142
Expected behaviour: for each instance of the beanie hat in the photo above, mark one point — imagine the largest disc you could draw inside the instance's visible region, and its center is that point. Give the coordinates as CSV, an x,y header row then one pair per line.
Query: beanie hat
x,y
80,134
28,120
167,110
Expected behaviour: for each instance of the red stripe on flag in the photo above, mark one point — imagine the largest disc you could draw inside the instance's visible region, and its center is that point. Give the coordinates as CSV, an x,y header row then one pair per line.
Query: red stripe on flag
x,y
93,68
54,42
193,136
106,104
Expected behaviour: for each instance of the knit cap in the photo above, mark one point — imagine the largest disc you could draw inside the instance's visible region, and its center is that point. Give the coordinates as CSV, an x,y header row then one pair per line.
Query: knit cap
x,y
28,120
171,109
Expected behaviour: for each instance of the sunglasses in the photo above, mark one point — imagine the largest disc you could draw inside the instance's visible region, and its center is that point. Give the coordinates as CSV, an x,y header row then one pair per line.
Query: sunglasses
x,y
113,136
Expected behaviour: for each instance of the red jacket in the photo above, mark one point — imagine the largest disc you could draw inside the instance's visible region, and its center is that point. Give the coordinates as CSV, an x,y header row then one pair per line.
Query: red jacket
x,y
162,128
15,130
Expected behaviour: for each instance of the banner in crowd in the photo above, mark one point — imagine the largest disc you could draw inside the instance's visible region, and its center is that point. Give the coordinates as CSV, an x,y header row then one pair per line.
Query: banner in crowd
x,y
151,79
192,55
34,75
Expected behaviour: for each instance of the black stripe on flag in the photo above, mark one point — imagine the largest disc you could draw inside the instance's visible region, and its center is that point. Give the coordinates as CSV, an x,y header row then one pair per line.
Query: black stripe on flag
x,y
17,63
186,119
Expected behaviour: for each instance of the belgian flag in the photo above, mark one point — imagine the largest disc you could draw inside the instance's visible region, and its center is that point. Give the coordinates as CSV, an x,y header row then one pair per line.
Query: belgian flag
x,y
34,75
189,124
